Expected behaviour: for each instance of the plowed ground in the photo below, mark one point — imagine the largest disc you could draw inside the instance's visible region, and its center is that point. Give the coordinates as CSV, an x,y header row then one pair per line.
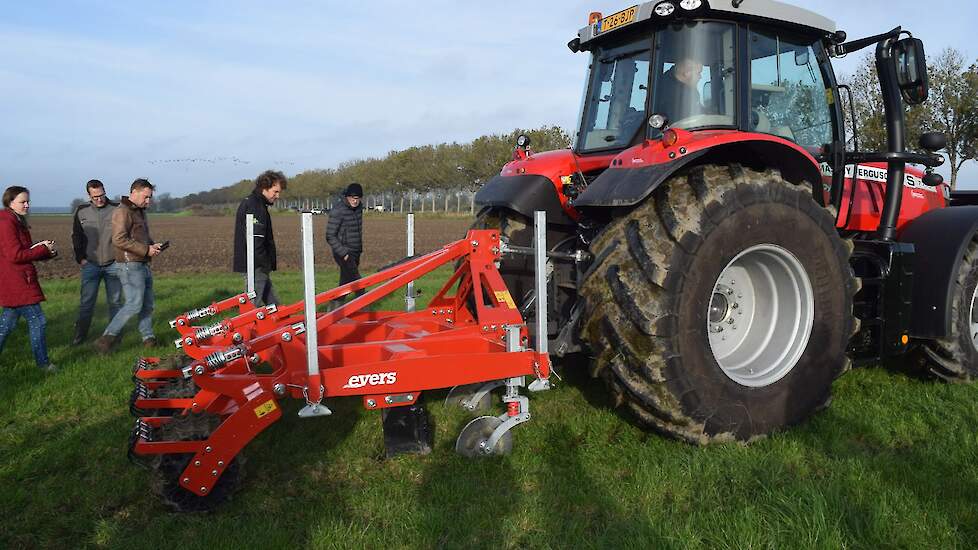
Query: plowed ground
x,y
204,244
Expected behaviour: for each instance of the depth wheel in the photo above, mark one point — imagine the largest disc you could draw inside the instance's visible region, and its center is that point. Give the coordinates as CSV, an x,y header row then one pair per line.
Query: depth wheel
x,y
458,394
472,442
721,308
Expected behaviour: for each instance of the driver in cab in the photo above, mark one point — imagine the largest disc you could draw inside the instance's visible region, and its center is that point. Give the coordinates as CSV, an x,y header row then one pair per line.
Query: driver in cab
x,y
677,94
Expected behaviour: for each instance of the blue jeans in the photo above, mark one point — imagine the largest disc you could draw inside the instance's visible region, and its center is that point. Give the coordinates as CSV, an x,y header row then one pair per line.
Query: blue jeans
x,y
36,323
92,276
137,287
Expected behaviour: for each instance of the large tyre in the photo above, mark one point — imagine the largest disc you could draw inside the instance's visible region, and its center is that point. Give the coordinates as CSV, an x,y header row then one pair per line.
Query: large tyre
x,y
955,358
669,279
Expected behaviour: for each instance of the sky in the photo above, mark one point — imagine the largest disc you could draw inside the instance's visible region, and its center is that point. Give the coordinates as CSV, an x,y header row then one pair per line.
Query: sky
x,y
196,95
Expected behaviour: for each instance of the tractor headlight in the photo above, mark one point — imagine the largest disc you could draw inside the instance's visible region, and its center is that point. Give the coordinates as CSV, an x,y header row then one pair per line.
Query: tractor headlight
x,y
662,9
690,5
658,121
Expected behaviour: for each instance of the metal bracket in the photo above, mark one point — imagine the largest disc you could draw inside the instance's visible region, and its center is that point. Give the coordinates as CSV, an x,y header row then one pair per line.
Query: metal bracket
x,y
473,401
313,409
509,422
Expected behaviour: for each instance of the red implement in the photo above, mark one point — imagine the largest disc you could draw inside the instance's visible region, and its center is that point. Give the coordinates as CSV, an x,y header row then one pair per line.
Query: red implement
x,y
196,419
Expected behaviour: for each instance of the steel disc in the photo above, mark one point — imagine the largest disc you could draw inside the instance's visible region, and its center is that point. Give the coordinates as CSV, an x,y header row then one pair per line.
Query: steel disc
x,y
458,394
472,441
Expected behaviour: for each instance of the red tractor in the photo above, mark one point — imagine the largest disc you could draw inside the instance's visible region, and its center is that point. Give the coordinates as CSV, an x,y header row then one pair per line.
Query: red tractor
x,y
719,252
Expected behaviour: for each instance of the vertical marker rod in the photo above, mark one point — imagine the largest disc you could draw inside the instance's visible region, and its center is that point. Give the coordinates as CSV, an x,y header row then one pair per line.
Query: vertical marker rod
x,y
409,299
540,271
314,392
309,279
250,247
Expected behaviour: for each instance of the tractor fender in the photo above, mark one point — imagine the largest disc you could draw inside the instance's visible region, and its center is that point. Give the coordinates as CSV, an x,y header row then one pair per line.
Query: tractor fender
x,y
523,194
940,237
630,186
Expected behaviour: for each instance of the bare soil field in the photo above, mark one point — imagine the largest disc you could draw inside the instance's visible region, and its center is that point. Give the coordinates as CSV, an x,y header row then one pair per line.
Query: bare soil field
x,y
203,244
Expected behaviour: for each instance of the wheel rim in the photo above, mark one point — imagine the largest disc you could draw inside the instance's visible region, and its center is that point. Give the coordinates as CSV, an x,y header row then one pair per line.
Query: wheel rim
x,y
973,317
760,315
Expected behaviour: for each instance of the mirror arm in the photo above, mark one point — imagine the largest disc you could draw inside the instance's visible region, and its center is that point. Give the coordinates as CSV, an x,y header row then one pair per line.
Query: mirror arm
x,y
856,45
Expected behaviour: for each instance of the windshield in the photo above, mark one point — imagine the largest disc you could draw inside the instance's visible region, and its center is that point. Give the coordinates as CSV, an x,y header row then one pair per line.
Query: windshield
x,y
694,84
614,107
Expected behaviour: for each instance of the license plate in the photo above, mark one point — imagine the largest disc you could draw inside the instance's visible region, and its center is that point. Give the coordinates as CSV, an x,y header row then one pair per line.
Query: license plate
x,y
616,20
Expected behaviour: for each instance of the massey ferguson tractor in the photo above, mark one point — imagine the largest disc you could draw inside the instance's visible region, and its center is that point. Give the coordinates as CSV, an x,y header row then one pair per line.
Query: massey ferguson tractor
x,y
717,251
709,243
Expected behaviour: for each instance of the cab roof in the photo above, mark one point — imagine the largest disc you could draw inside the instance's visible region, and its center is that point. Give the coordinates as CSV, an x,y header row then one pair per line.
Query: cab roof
x,y
770,10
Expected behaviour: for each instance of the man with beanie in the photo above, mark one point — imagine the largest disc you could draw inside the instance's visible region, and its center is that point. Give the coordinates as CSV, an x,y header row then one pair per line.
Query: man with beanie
x,y
91,237
344,233
268,188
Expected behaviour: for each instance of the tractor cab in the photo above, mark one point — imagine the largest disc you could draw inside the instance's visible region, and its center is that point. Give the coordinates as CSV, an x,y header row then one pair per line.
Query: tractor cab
x,y
704,69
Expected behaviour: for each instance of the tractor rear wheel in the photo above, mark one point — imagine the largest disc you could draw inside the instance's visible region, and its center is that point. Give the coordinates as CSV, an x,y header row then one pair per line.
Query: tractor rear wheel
x,y
517,230
721,308
955,358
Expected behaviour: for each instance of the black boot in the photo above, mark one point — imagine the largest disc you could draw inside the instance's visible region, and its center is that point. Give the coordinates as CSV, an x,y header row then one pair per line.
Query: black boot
x,y
81,332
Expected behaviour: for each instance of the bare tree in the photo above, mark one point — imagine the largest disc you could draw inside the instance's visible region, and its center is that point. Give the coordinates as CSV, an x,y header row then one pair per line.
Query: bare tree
x,y
953,107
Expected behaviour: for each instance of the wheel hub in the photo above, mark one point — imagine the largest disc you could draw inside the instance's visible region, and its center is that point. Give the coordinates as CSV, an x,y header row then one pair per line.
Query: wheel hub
x,y
761,315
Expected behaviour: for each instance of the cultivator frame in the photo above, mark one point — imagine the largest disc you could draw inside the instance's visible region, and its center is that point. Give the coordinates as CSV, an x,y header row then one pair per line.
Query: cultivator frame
x,y
241,367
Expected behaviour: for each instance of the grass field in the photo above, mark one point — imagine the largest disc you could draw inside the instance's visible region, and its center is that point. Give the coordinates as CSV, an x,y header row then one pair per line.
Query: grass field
x,y
893,463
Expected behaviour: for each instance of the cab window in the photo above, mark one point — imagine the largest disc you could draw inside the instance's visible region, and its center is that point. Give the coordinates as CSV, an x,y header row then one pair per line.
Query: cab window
x,y
788,97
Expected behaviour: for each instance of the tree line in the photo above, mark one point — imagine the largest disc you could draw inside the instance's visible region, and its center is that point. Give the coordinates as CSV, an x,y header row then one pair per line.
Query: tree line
x,y
951,107
442,177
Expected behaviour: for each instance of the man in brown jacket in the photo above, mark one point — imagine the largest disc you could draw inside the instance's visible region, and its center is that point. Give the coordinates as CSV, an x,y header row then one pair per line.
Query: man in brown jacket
x,y
134,248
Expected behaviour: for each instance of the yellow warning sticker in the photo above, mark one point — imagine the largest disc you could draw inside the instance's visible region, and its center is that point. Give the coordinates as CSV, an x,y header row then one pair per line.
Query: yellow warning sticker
x,y
829,96
265,408
503,296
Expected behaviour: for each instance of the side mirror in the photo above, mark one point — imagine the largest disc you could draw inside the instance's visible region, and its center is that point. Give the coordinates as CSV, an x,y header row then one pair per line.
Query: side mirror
x,y
933,141
801,57
707,95
911,70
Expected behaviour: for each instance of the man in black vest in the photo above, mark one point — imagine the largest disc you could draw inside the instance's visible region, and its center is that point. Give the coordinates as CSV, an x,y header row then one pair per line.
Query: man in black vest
x,y
91,237
344,233
268,188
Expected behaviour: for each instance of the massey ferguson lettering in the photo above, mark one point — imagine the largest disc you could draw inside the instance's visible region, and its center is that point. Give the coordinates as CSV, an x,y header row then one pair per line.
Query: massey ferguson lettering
x,y
379,379
871,173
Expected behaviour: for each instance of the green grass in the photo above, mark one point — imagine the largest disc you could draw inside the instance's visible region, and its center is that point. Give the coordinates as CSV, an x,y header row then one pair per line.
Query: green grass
x,y
892,463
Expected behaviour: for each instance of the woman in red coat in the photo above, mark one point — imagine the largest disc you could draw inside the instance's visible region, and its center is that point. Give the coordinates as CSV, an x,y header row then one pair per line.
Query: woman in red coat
x,y
20,292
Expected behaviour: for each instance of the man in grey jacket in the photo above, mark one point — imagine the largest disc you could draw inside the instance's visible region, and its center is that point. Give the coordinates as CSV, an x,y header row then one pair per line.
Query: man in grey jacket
x,y
91,237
